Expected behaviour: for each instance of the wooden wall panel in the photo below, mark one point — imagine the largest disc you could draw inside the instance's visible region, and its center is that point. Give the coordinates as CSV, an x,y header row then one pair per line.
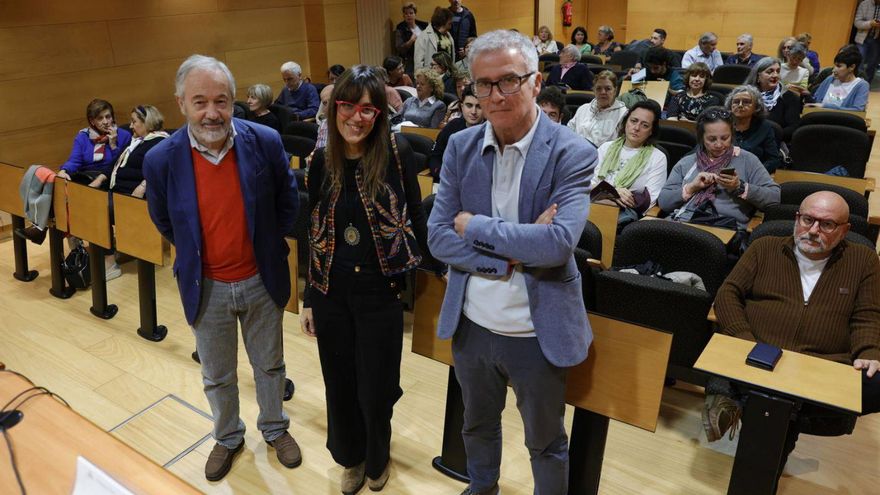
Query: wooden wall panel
x,y
829,27
256,4
263,65
43,50
613,14
21,13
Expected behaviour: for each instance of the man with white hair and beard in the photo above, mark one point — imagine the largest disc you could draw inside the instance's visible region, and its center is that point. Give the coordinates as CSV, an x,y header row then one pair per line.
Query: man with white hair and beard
x,y
221,192
813,293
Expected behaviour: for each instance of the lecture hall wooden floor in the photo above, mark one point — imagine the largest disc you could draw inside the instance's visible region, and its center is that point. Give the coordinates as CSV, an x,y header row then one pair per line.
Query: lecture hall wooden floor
x,y
123,383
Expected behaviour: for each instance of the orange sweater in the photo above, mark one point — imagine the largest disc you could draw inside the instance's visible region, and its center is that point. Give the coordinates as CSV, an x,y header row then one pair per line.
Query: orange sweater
x,y
227,249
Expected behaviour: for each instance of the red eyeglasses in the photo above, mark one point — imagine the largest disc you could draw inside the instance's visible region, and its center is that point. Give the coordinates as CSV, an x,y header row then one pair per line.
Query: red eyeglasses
x,y
366,111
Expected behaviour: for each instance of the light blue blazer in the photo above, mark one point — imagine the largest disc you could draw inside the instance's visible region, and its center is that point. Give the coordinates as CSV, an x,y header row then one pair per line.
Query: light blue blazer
x,y
558,169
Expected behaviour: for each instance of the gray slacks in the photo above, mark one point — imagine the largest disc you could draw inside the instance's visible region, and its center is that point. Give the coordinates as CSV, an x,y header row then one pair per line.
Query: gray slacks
x,y
484,364
223,307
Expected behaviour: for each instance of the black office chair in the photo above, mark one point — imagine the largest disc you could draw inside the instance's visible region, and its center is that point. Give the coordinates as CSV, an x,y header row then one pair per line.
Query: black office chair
x,y
625,59
578,99
722,90
596,68
785,228
588,247
676,308
731,74
241,110
404,94
418,143
285,116
834,118
821,147
793,193
672,134
449,99
778,132
298,146
549,57
591,59
675,152
303,129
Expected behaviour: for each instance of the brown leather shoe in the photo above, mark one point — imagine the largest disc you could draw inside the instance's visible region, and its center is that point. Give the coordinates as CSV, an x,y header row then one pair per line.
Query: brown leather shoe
x,y
287,450
720,414
220,461
378,484
352,479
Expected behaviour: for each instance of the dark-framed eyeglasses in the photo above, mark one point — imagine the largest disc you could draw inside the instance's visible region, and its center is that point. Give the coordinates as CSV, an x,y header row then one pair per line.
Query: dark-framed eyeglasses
x,y
366,111
825,226
507,85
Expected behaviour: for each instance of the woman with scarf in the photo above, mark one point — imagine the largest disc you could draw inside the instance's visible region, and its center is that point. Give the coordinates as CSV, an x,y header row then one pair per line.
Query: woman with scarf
x,y
718,185
128,176
96,147
631,164
367,229
783,107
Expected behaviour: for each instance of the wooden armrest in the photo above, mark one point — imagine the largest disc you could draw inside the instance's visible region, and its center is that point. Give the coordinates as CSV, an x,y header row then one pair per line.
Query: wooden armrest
x,y
653,212
874,220
711,316
594,263
870,184
425,173
756,220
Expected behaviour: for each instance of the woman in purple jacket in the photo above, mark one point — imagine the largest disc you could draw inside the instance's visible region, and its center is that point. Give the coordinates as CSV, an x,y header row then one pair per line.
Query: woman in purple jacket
x,y
96,147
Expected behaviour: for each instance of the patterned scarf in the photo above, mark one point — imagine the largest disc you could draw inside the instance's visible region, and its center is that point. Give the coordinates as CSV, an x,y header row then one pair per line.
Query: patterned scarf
x,y
770,97
99,141
713,166
633,168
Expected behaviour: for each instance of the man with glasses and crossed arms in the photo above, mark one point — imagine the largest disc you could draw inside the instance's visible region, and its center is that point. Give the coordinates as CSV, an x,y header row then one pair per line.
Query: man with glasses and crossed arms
x,y
513,200
814,293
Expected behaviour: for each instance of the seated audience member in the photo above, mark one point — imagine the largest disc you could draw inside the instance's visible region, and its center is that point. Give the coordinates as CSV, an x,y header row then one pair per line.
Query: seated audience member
x,y
579,39
453,110
569,72
598,120
334,72
658,68
789,292
128,175
783,107
690,103
96,147
606,45
794,76
393,65
657,39
631,164
784,51
812,56
259,97
427,108
706,51
743,55
544,41
297,94
435,38
753,133
462,65
842,90
471,115
394,101
552,102
442,65
405,35
702,188
827,71
321,116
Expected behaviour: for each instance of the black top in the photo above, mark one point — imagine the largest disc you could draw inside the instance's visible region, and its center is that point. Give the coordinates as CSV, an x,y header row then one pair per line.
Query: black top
x,y
787,113
435,161
268,120
132,174
579,77
760,140
350,212
684,106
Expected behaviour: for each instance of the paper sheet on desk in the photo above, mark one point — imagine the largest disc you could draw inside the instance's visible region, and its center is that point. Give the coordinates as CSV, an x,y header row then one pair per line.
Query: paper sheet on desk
x,y
639,76
92,480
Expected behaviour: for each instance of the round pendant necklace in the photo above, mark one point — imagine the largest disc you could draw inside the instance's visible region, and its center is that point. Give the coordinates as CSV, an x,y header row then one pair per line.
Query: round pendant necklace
x,y
351,234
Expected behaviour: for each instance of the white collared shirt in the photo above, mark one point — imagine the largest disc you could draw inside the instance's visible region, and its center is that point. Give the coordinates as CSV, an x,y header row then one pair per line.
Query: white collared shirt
x,y
502,304
810,271
208,154
427,102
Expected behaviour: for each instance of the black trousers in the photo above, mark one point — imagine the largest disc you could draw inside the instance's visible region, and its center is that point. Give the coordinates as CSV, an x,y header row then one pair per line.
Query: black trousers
x,y
359,326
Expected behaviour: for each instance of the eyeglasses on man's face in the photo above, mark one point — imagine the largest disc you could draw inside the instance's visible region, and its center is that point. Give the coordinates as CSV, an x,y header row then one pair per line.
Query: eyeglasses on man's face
x,y
825,226
507,85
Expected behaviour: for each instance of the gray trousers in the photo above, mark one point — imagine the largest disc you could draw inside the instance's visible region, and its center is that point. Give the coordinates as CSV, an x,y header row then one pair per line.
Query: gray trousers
x,y
484,364
224,306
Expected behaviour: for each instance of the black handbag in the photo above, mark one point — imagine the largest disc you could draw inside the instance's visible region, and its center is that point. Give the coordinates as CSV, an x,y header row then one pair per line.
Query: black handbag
x,y
76,268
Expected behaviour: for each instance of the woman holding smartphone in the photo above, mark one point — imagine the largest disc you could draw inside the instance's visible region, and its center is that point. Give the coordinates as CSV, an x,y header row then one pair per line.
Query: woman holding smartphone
x,y
720,184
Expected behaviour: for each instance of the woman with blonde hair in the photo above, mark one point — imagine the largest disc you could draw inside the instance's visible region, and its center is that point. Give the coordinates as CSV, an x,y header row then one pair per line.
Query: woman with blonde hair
x,y
427,108
544,41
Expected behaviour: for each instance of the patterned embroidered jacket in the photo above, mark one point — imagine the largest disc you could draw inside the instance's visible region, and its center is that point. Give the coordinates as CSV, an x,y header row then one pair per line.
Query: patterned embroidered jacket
x,y
391,227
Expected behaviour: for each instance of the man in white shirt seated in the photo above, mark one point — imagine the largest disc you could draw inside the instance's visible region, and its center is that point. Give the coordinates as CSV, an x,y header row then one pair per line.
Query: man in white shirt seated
x,y
706,51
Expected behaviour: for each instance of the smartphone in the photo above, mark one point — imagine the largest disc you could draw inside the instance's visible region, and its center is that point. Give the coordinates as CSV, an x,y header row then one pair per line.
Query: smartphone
x,y
728,171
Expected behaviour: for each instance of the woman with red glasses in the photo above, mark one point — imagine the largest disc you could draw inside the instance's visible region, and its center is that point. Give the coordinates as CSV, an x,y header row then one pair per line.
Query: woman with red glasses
x,y
367,229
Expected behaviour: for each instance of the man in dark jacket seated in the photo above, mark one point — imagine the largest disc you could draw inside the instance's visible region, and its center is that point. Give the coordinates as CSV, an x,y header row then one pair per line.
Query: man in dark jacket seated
x,y
813,293
570,72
